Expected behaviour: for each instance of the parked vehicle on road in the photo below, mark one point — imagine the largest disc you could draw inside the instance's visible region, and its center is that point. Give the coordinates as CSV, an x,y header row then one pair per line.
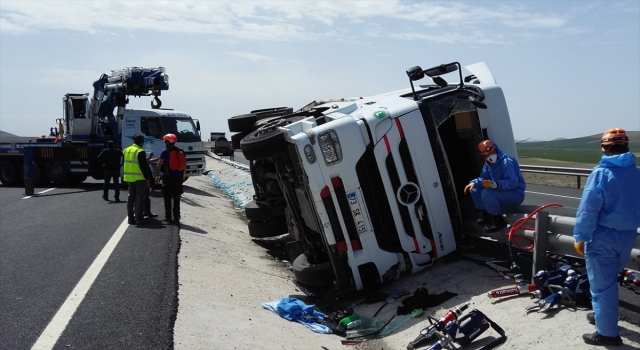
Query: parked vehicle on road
x,y
68,154
372,187
220,145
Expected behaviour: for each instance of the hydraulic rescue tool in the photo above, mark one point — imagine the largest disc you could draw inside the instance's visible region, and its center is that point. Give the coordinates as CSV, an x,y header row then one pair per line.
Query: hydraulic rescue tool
x,y
460,330
629,276
521,287
573,291
438,325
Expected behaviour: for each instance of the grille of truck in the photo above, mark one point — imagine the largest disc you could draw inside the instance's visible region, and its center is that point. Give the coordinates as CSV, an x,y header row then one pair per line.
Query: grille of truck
x,y
377,202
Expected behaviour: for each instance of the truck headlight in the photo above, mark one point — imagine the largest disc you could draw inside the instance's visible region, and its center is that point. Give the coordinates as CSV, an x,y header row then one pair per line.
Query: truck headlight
x,y
308,152
330,147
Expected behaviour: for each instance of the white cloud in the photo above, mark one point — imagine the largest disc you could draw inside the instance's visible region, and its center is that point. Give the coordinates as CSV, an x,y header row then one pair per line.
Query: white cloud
x,y
269,20
254,57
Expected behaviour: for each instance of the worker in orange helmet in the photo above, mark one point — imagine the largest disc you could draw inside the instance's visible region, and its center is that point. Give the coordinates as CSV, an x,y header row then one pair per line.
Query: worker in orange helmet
x,y
173,165
606,227
500,184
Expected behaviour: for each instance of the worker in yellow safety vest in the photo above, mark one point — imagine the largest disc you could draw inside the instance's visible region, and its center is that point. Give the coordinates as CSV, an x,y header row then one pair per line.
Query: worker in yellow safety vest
x,y
138,175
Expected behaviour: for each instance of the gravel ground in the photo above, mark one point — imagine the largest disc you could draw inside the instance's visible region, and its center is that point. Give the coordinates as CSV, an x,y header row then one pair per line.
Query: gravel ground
x,y
224,275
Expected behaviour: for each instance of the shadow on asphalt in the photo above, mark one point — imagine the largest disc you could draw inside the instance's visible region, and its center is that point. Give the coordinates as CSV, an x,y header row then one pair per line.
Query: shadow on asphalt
x,y
193,229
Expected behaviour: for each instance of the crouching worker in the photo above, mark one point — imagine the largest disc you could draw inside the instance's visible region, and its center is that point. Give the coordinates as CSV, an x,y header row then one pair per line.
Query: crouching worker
x,y
500,184
172,163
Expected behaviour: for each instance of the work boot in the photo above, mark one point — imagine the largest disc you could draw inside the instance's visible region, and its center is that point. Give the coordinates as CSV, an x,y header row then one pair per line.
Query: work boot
x,y
598,339
167,218
486,219
497,223
150,215
105,197
591,317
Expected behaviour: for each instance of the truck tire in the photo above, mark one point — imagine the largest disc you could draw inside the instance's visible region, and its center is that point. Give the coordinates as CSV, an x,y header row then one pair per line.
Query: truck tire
x,y
267,141
272,112
57,172
264,229
75,179
260,212
8,173
242,123
98,175
310,274
254,211
235,139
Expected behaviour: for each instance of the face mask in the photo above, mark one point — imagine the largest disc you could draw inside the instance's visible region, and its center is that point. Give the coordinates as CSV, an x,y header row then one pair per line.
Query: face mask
x,y
491,159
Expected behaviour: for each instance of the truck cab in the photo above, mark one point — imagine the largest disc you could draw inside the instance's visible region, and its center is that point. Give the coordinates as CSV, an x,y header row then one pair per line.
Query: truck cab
x,y
155,123
373,187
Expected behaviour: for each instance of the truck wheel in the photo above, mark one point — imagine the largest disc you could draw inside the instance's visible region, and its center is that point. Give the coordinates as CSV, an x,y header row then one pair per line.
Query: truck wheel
x,y
8,174
236,138
260,212
57,172
272,112
264,229
267,141
310,274
98,175
75,179
242,123
262,122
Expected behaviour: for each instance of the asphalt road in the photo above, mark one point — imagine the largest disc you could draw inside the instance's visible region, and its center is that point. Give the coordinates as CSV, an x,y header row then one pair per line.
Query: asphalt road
x,y
48,243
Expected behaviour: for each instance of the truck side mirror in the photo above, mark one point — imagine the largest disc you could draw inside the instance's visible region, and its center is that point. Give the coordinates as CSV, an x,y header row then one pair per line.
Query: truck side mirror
x,y
198,125
415,73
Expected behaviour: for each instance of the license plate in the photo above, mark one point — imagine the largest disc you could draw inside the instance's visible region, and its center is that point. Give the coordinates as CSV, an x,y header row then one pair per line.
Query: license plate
x,y
192,167
356,211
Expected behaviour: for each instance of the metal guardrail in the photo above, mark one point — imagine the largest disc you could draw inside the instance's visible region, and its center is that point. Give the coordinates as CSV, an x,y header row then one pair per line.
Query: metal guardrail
x,y
556,170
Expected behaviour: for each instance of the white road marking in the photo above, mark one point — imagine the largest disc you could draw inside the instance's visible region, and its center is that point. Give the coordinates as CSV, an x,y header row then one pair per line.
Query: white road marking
x,y
553,195
58,324
45,191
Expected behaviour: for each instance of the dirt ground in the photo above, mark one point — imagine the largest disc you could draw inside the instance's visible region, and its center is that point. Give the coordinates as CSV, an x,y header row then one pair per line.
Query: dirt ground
x,y
224,275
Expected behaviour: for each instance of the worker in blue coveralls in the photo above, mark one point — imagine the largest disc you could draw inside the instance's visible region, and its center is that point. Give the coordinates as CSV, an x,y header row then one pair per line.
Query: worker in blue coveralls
x,y
500,184
606,229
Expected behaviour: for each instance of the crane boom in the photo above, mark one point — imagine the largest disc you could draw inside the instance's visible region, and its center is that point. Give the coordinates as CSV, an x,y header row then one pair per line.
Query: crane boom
x,y
112,90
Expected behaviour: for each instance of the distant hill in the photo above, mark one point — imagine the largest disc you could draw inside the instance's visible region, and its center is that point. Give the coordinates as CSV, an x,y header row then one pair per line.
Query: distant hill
x,y
6,134
580,150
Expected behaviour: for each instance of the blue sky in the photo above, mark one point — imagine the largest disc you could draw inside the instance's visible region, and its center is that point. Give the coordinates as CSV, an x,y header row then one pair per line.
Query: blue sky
x,y
568,68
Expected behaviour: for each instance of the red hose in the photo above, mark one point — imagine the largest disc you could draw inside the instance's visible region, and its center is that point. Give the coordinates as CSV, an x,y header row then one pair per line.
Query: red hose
x,y
511,236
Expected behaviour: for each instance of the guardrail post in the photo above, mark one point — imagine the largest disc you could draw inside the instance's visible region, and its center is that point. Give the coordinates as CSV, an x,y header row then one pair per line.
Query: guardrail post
x,y
579,177
540,241
28,170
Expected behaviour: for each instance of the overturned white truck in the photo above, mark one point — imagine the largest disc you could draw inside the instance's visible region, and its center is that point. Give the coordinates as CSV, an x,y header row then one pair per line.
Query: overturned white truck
x,y
372,187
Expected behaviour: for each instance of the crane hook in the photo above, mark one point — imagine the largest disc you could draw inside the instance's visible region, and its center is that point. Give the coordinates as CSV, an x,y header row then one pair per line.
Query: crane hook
x,y
158,103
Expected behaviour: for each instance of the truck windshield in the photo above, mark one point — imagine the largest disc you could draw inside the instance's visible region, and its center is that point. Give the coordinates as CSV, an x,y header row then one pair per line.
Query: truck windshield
x,y
183,128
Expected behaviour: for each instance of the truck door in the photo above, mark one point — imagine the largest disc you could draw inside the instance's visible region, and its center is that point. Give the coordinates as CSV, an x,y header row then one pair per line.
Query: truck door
x,y
76,117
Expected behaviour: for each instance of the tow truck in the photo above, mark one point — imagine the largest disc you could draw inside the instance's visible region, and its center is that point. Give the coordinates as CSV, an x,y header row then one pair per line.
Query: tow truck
x,y
372,187
68,154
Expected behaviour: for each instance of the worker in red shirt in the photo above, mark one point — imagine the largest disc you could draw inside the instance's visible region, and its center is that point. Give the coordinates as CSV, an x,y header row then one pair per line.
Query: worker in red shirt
x,y
172,163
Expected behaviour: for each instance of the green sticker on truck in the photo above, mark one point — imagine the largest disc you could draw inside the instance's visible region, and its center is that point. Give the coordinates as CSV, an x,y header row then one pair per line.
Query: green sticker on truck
x,y
380,114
